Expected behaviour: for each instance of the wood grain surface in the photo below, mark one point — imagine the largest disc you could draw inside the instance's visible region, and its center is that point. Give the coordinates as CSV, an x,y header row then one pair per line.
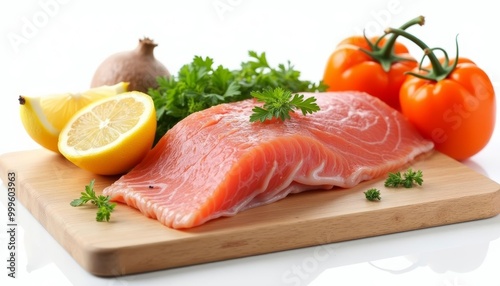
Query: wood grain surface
x,y
131,243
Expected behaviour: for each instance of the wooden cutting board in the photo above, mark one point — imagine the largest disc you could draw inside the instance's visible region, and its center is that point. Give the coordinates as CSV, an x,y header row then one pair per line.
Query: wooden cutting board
x,y
131,243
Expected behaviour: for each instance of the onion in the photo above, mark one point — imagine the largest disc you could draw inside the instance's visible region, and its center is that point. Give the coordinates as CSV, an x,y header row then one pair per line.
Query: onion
x,y
139,67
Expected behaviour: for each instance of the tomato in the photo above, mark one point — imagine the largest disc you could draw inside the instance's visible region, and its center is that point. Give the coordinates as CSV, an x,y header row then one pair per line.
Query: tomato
x,y
376,66
457,113
451,102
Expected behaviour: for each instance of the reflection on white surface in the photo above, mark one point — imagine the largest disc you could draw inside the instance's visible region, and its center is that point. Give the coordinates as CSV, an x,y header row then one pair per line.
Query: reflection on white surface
x,y
468,264
457,251
448,267
460,259
402,271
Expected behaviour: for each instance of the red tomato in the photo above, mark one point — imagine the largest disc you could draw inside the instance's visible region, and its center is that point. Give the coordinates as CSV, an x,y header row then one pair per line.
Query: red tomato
x,y
350,68
457,112
376,66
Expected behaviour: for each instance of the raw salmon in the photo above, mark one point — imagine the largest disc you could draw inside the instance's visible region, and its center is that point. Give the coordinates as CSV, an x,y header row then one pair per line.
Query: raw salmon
x,y
217,163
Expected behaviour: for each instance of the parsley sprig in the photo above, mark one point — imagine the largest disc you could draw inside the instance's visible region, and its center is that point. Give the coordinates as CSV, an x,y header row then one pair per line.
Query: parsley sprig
x,y
407,180
105,207
373,194
279,103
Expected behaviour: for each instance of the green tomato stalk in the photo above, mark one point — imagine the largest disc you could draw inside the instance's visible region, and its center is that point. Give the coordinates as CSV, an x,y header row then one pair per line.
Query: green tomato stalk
x,y
385,54
438,71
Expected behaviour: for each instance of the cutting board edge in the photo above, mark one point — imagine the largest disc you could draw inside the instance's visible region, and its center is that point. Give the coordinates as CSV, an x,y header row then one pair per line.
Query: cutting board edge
x,y
113,272
288,230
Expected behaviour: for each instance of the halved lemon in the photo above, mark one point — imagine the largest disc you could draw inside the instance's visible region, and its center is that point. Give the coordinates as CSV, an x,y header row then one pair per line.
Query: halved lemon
x,y
44,117
112,135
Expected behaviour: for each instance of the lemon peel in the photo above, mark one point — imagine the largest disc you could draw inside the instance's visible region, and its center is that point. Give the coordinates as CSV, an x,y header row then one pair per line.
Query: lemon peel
x,y
43,117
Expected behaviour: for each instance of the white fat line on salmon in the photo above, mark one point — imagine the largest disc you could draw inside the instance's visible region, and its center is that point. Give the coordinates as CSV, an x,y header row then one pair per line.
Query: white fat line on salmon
x,y
182,219
243,205
280,191
368,118
249,201
396,147
360,175
320,181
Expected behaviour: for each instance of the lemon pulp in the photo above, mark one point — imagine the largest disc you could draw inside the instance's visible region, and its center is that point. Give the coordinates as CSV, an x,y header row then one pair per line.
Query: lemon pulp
x,y
111,135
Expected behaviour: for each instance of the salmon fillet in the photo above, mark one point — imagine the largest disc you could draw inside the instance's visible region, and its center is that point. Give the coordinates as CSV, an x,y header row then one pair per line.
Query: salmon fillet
x,y
217,163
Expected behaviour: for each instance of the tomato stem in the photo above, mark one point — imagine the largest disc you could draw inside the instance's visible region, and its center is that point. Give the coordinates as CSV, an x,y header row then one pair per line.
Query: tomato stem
x,y
385,54
439,71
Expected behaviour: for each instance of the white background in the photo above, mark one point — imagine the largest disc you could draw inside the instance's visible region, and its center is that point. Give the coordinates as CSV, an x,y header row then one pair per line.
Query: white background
x,y
51,46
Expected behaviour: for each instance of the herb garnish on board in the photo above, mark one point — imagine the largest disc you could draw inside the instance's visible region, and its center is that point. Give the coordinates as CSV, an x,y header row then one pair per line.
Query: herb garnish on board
x,y
104,206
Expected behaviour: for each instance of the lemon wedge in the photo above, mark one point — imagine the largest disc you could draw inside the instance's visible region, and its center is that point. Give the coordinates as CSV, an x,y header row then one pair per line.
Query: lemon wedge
x,y
111,135
44,117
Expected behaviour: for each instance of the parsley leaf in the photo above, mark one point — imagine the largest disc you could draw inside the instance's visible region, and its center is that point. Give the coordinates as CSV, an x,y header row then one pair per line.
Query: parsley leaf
x,y
105,208
200,84
372,194
407,180
278,103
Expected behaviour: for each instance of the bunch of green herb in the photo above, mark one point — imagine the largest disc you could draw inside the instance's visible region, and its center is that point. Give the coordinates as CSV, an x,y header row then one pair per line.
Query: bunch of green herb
x,y
199,85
